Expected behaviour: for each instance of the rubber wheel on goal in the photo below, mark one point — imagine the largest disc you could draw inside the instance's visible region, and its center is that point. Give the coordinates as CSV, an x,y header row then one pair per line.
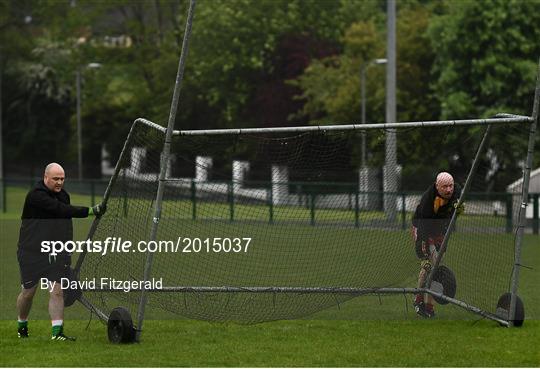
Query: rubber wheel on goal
x,y
445,276
120,326
503,309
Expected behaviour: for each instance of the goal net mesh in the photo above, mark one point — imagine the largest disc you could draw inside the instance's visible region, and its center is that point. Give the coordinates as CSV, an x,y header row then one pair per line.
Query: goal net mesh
x,y
264,214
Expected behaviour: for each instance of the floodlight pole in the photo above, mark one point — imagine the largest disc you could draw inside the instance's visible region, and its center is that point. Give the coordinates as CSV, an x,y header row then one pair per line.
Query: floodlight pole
x,y
78,82
79,129
390,166
524,201
363,70
164,164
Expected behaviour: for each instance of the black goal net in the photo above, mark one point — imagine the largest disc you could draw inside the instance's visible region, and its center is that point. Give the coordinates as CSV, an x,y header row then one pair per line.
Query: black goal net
x,y
266,226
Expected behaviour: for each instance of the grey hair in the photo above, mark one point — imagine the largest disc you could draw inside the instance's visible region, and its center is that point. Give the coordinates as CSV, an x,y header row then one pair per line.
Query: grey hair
x,y
50,166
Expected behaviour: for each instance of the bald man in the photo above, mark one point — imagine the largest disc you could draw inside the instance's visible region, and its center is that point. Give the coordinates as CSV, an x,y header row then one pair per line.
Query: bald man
x,y
46,216
430,222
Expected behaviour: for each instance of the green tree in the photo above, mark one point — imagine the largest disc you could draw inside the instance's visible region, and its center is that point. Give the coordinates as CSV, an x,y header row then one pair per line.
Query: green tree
x,y
241,54
331,87
35,99
235,43
486,62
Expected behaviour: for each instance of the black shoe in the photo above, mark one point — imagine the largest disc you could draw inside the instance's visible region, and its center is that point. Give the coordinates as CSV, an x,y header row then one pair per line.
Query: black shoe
x,y
430,313
62,337
420,309
22,332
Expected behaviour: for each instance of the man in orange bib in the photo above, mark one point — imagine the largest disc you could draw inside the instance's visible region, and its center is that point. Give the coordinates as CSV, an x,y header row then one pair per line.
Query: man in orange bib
x,y
430,222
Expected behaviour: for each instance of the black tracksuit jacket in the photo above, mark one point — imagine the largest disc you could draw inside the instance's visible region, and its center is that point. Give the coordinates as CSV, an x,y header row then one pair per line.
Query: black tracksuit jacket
x,y
47,216
430,219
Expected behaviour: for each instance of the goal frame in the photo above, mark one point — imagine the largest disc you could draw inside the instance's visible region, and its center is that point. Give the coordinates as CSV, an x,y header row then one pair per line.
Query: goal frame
x,y
502,118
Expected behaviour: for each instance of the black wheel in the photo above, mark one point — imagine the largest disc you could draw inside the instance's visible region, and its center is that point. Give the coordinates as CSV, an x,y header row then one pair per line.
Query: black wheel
x,y
503,309
120,326
444,277
71,294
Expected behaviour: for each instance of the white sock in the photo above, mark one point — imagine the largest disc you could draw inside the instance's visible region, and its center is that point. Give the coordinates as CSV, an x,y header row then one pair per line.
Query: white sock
x,y
22,320
57,322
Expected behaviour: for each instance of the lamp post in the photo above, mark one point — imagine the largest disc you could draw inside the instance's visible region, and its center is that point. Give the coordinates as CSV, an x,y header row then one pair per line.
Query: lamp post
x,y
390,174
363,69
78,79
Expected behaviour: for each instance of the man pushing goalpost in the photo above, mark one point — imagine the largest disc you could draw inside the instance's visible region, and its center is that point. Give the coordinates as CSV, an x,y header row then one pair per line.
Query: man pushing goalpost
x,y
47,215
430,222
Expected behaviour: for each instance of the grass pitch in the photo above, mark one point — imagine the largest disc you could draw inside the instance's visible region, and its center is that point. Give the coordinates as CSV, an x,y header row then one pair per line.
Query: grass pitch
x,y
361,332
313,343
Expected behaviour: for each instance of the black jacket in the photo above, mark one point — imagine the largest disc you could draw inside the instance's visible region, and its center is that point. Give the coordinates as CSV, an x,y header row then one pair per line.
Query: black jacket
x,y
47,216
431,217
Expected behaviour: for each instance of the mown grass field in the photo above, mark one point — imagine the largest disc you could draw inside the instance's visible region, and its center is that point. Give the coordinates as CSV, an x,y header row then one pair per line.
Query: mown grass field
x,y
365,331
314,343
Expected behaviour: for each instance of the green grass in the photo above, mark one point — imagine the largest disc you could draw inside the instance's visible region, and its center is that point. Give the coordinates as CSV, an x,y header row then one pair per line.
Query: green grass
x,y
361,332
285,344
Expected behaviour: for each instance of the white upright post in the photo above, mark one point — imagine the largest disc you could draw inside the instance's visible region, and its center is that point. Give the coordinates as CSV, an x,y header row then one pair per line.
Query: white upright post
x,y
203,164
280,184
240,169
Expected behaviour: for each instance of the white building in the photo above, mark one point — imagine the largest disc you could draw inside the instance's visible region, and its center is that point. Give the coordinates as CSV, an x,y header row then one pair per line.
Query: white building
x,y
534,188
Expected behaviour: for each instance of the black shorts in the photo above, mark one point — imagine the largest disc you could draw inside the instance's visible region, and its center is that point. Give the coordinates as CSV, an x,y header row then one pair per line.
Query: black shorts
x,y
421,247
36,265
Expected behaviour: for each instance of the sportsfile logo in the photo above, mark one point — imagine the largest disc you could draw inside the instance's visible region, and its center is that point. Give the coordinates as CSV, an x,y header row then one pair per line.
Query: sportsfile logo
x,y
180,245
